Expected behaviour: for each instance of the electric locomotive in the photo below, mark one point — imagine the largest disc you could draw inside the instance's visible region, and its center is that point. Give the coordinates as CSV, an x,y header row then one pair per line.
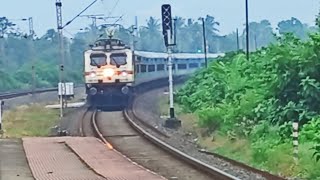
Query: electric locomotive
x,y
109,73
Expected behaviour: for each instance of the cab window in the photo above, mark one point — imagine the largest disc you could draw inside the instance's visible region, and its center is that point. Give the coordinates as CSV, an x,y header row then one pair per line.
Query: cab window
x,y
98,60
118,59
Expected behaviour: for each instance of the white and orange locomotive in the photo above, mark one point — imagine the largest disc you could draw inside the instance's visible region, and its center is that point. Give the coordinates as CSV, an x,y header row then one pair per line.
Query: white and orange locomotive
x,y
109,71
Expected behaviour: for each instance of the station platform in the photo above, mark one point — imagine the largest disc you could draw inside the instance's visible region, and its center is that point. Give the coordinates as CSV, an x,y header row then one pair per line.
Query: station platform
x,y
13,162
69,158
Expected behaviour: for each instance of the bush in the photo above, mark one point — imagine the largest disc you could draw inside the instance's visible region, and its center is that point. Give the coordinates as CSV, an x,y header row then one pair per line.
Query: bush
x,y
278,85
277,82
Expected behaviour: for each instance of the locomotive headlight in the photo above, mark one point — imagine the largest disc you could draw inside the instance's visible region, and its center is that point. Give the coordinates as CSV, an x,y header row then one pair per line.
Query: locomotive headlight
x,y
108,72
93,74
124,73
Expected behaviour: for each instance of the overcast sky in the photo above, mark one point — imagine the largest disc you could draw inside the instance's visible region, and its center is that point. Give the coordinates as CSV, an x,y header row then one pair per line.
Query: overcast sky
x,y
230,13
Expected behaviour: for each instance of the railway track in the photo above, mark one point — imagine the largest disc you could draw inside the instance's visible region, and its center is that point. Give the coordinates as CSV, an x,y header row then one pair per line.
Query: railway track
x,y
88,126
118,130
182,140
132,141
125,132
10,95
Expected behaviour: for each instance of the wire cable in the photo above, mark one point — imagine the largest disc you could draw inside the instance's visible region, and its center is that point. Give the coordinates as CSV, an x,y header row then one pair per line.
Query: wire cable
x,y
68,32
79,14
113,24
113,8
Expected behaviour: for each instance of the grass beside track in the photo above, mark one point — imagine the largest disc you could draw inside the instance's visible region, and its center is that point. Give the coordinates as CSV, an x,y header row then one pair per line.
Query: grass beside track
x,y
277,159
33,120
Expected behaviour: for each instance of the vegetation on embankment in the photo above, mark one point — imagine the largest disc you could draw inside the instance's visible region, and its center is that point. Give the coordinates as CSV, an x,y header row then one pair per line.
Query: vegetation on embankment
x,y
253,104
24,121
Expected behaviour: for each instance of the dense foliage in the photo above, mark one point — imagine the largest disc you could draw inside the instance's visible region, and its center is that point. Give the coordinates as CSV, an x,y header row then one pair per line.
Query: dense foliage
x,y
18,51
261,97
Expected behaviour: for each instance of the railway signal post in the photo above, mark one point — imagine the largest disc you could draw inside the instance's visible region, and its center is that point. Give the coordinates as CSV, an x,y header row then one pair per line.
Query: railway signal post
x,y
172,121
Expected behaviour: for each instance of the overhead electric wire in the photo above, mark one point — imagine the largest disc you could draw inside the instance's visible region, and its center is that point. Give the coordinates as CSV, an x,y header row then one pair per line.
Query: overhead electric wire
x,y
79,14
111,11
113,8
120,18
68,32
113,24
109,16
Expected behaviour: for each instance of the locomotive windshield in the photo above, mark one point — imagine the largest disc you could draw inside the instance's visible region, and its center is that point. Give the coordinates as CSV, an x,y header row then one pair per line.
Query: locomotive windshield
x,y
98,60
118,59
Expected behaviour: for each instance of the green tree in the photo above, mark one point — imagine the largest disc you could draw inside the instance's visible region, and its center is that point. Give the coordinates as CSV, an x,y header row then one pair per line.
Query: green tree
x,y
294,26
5,27
150,37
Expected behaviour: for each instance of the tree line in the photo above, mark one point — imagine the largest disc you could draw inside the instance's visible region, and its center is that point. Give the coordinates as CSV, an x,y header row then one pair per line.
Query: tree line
x,y
20,52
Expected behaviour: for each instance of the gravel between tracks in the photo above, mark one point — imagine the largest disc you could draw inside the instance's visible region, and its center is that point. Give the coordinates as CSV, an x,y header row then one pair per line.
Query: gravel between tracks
x,y
146,108
72,121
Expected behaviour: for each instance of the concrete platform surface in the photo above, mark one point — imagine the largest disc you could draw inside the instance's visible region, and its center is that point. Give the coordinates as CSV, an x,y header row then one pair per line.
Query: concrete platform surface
x,y
69,105
80,158
13,162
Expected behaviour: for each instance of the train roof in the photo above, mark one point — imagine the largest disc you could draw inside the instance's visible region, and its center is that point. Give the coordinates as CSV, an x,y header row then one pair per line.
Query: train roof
x,y
155,55
108,45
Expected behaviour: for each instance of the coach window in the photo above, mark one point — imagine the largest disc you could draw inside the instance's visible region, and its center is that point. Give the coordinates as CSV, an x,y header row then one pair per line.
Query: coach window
x,y
98,60
118,59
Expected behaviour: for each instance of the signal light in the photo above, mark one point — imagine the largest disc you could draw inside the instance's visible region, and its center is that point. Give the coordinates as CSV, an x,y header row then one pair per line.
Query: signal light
x,y
166,22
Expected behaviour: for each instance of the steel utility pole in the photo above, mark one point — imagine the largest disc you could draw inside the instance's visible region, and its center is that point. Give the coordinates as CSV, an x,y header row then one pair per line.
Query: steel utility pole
x,y
30,41
137,26
255,42
31,34
61,48
31,31
62,84
132,32
2,47
1,108
238,46
204,42
247,29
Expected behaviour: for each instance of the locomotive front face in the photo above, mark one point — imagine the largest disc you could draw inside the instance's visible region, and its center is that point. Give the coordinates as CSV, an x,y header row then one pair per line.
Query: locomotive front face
x,y
109,76
109,67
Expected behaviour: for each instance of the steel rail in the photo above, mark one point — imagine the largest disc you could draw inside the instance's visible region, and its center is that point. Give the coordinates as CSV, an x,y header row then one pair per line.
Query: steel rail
x,y
215,172
24,93
202,167
97,130
10,95
142,88
131,117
